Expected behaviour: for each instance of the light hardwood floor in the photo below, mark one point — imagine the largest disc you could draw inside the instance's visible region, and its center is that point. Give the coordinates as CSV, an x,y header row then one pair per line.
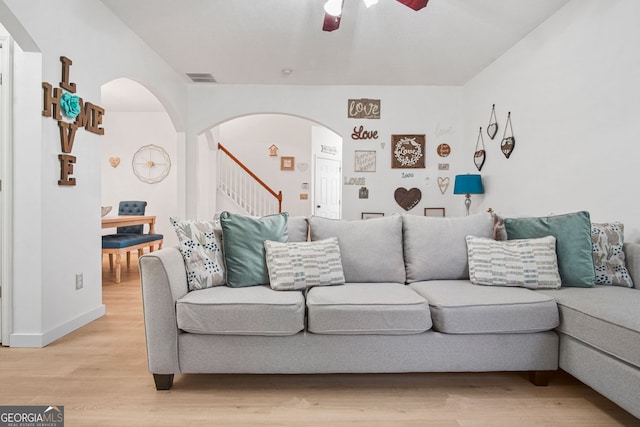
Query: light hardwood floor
x,y
99,374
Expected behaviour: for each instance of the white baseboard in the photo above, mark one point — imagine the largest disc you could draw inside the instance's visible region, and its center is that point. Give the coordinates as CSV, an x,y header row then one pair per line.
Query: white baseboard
x,y
43,339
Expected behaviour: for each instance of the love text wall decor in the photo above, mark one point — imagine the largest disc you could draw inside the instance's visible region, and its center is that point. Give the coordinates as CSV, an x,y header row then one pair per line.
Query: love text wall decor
x,y
86,115
363,109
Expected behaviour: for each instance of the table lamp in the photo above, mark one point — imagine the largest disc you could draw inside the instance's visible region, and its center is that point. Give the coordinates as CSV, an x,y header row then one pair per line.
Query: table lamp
x,y
468,184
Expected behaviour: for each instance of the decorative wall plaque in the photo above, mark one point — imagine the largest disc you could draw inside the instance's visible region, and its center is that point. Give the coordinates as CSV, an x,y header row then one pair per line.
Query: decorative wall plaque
x,y
364,161
443,150
361,133
408,151
407,199
363,108
86,115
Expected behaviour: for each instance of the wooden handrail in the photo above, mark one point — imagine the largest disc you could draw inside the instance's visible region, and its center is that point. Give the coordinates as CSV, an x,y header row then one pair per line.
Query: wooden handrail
x,y
277,195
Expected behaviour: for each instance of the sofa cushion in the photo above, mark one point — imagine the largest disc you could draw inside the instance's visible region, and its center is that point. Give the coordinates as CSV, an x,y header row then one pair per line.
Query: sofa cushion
x,y
300,265
243,238
609,256
367,308
435,248
605,317
528,263
573,243
371,249
256,310
298,229
201,249
459,307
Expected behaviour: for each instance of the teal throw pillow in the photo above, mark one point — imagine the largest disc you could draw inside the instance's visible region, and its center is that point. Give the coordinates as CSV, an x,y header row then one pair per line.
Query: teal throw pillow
x,y
243,240
573,243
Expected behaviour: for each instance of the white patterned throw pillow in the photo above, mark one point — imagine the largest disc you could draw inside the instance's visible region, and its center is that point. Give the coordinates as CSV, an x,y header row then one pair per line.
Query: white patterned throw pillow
x,y
608,256
301,265
528,263
201,248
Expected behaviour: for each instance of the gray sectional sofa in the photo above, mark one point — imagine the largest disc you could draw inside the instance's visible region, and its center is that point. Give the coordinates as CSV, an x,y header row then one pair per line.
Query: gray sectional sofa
x,y
407,306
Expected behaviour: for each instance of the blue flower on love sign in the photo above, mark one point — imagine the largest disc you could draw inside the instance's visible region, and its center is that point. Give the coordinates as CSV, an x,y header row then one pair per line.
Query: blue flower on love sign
x,y
70,105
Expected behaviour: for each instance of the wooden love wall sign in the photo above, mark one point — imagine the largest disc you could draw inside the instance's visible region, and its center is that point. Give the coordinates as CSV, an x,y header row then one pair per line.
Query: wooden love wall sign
x,y
407,199
87,115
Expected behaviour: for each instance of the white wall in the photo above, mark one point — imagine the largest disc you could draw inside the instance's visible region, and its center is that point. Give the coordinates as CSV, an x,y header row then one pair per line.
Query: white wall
x,y
403,110
57,229
128,132
572,86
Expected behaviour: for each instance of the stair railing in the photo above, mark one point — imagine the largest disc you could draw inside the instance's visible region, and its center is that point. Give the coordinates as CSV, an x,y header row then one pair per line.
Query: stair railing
x,y
244,187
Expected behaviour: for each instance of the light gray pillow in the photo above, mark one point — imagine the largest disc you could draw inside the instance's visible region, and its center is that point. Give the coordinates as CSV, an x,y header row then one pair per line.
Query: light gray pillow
x,y
298,229
527,263
301,265
371,249
435,248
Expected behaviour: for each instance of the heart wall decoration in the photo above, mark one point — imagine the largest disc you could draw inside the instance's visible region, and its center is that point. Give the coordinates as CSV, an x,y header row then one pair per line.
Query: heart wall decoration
x,y
508,142
443,183
407,199
114,161
480,154
492,128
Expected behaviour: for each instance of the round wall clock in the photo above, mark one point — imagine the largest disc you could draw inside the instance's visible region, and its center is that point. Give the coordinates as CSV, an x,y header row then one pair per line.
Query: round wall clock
x,y
151,164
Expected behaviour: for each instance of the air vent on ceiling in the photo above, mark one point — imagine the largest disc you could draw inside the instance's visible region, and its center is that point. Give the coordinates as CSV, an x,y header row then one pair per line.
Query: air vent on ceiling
x,y
201,77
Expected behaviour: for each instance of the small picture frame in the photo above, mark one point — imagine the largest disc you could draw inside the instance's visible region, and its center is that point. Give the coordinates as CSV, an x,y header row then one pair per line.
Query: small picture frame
x,y
287,163
369,215
434,212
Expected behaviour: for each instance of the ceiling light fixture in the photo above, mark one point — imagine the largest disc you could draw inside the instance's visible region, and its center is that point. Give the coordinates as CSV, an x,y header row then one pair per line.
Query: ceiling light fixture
x,y
333,7
333,11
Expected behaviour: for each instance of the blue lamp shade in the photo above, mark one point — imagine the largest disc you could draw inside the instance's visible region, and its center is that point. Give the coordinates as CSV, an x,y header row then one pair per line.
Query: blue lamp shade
x,y
468,184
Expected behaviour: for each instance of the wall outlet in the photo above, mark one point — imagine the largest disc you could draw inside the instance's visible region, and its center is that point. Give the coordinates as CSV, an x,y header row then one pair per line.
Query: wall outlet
x,y
79,281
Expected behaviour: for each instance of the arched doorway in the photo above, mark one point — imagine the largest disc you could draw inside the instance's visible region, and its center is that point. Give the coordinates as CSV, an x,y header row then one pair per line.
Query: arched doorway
x,y
297,146
136,119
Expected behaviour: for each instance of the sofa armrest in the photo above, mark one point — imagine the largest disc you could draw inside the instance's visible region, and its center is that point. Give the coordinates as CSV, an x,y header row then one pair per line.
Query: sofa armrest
x,y
632,259
164,280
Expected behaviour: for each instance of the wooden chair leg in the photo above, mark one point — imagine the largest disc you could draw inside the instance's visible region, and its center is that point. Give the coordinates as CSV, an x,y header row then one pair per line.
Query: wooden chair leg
x,y
140,252
129,259
110,261
118,267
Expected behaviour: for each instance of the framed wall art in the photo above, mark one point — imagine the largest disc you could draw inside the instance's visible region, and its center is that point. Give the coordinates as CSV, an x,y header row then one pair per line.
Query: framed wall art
x,y
364,161
287,163
434,212
369,215
407,151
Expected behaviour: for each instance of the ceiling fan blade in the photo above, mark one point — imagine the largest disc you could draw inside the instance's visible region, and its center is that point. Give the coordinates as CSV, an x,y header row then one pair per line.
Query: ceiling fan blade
x,y
414,4
331,22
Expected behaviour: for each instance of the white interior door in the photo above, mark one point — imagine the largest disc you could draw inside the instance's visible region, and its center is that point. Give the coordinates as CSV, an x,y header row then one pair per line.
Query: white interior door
x,y
328,188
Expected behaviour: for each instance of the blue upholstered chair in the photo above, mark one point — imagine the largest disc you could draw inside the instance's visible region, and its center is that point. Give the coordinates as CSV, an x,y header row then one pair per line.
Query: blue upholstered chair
x,y
129,237
131,208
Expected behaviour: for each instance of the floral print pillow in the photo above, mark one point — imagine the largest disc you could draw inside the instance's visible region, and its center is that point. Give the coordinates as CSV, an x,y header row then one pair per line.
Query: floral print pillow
x,y
201,248
608,256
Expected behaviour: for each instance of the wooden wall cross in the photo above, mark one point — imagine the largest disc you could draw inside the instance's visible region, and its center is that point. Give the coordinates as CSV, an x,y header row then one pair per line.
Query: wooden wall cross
x,y
86,115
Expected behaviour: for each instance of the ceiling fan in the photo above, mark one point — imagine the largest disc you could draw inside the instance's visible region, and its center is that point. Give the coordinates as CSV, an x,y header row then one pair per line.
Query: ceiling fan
x,y
333,11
